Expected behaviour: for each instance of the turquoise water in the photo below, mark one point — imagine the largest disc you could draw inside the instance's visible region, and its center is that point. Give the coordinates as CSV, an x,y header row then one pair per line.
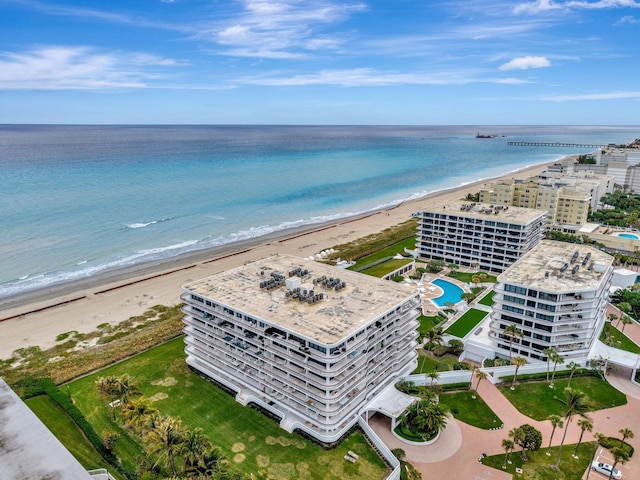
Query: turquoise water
x,y
79,200
628,235
452,292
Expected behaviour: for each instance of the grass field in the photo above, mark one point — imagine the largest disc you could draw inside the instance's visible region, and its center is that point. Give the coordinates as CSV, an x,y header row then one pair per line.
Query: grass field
x,y
387,252
427,363
487,299
466,277
538,467
473,411
466,323
251,441
68,433
618,339
427,323
538,401
382,269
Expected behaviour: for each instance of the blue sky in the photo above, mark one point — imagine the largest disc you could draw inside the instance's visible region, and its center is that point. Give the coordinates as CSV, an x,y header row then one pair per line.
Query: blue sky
x,y
320,62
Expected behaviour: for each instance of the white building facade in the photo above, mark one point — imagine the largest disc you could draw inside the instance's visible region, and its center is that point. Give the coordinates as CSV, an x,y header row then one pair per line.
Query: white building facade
x,y
308,342
478,235
556,294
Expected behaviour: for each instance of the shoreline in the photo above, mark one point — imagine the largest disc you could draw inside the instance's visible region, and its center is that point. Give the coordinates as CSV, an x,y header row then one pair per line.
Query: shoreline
x,y
37,316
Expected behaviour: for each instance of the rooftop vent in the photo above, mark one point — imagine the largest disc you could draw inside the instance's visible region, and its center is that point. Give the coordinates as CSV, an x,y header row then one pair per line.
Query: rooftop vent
x,y
574,257
575,269
564,267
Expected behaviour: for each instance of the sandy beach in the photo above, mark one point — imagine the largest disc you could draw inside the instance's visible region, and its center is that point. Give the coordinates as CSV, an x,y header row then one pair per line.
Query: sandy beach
x,y
38,317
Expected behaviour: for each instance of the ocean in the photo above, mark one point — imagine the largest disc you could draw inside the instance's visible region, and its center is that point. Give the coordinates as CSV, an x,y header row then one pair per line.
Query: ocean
x,y
81,200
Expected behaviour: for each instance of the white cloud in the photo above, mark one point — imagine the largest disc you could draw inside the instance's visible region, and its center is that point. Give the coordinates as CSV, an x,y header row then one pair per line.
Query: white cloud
x,y
547,5
284,29
363,77
594,96
77,68
523,63
630,19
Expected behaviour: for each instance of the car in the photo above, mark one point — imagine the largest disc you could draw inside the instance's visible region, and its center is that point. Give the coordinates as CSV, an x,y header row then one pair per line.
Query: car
x,y
605,469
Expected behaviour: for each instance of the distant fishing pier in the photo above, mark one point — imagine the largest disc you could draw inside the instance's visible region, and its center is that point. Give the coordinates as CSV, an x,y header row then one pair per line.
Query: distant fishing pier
x,y
552,144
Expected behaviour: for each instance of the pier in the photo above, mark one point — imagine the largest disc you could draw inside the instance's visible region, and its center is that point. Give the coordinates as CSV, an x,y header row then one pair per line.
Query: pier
x,y
553,144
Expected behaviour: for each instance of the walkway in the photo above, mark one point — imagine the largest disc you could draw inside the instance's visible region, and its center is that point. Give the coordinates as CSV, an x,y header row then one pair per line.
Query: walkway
x,y
460,445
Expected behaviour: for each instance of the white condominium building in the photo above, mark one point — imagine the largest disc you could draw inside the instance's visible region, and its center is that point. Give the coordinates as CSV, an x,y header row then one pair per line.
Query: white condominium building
x,y
556,295
478,235
309,342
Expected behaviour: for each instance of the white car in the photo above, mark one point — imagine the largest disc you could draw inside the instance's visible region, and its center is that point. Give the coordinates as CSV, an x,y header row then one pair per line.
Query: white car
x,y
605,469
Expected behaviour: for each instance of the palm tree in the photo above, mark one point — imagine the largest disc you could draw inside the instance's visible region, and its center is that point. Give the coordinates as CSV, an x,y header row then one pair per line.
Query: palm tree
x,y
576,403
426,416
619,456
434,336
518,435
556,358
511,331
508,446
213,460
626,433
127,387
106,386
165,440
548,352
556,421
612,317
518,362
195,447
626,320
138,412
584,424
573,367
434,377
480,375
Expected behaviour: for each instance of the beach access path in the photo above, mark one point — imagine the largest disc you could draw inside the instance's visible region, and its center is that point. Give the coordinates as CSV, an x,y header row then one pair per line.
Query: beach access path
x,y
38,318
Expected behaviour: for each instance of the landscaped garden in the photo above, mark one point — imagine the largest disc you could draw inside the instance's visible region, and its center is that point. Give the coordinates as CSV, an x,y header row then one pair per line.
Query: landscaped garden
x,y
379,270
537,400
251,441
466,323
615,338
538,466
473,277
487,300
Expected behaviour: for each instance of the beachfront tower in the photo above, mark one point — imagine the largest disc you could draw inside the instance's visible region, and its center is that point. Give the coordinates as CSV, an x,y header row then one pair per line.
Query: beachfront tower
x,y
478,235
557,295
308,342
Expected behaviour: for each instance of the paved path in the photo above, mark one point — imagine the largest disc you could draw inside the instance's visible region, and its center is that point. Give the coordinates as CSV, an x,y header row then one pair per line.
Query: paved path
x,y
460,445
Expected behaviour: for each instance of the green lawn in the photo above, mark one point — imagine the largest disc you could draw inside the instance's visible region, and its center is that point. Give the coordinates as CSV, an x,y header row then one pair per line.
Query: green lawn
x,y
428,364
65,430
466,277
427,323
538,401
472,411
618,339
382,269
387,252
487,299
250,440
466,323
538,467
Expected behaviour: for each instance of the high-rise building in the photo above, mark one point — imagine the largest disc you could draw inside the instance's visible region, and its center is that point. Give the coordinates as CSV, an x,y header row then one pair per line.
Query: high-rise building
x,y
308,342
478,235
556,294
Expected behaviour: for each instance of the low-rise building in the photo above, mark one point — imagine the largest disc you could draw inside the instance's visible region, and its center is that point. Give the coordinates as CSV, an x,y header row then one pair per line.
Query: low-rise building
x,y
311,343
478,235
556,294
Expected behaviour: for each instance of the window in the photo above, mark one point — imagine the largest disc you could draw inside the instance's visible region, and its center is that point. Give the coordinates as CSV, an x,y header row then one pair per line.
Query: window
x,y
515,289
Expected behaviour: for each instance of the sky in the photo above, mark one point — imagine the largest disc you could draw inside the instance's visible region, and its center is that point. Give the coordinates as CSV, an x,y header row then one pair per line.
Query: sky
x,y
333,62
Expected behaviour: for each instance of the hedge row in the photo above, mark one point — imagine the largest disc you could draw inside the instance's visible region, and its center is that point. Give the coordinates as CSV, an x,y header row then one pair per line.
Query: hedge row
x,y
32,387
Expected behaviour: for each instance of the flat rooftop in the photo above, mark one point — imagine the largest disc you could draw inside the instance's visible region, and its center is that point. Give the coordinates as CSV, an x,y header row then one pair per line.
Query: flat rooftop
x,y
329,320
550,266
486,211
28,450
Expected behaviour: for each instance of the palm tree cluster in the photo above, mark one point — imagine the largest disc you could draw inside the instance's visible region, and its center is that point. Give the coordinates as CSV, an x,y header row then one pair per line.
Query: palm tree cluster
x,y
426,417
173,449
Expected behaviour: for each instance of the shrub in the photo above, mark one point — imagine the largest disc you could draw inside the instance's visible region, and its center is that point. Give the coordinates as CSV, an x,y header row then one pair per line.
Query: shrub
x,y
462,366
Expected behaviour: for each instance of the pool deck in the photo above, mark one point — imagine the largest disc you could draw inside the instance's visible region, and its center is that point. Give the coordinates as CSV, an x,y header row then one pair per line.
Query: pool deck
x,y
428,291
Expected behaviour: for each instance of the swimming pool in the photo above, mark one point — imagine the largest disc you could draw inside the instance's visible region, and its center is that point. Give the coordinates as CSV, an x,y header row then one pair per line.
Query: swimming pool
x,y
628,235
452,292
